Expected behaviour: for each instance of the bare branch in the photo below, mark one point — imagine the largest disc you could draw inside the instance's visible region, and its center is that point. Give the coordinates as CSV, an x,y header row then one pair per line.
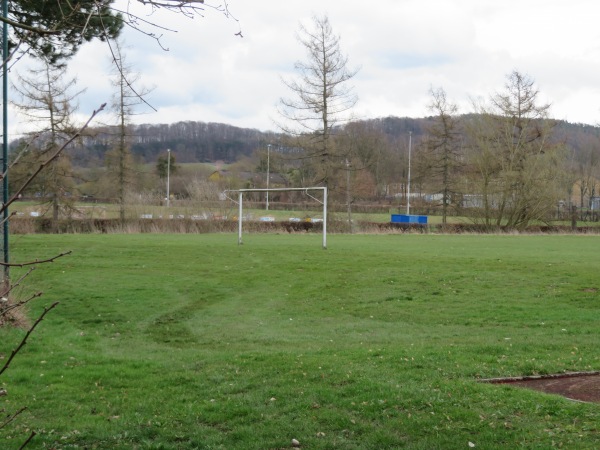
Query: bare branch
x,y
6,219
12,417
171,3
36,262
11,55
118,60
17,283
321,97
24,340
31,436
17,305
189,8
54,156
22,26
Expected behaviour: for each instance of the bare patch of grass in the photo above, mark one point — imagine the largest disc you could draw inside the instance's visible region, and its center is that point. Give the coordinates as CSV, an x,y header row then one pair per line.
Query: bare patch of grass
x,y
13,315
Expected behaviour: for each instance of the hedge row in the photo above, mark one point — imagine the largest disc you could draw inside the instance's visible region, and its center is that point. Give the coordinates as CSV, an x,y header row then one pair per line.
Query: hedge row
x,y
42,225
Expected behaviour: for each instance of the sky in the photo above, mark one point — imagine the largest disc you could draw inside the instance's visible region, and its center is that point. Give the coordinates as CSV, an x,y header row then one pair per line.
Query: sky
x,y
403,49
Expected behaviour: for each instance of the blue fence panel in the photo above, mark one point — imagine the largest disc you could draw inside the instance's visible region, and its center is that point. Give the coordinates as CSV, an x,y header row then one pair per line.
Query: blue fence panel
x,y
405,218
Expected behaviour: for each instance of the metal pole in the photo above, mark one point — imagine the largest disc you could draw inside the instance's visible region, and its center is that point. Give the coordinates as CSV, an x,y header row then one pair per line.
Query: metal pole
x,y
268,171
348,196
408,184
5,133
240,219
324,218
168,176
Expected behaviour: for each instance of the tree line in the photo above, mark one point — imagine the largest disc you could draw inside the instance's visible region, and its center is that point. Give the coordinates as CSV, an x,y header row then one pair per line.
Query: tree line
x,y
504,162
377,165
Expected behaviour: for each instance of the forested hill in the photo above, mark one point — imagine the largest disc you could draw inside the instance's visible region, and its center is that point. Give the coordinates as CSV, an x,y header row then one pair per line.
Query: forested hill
x,y
581,140
190,141
576,136
209,142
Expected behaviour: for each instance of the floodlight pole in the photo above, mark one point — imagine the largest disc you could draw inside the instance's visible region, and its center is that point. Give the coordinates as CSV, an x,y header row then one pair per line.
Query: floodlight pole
x,y
241,194
268,171
408,183
325,218
168,176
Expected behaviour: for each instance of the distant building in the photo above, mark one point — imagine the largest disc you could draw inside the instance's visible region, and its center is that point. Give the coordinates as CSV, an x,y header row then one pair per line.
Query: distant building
x,y
583,194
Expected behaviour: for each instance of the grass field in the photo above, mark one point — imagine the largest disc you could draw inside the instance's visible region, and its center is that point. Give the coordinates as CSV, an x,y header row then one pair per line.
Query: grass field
x,y
191,341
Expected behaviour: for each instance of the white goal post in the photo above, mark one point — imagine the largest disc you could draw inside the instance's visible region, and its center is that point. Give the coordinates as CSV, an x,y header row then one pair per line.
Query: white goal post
x,y
306,189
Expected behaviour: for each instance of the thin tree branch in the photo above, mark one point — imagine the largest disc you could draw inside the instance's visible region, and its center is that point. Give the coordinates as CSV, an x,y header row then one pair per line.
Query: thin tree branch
x,y
24,340
31,436
13,416
22,26
19,281
56,154
6,219
118,62
36,262
6,310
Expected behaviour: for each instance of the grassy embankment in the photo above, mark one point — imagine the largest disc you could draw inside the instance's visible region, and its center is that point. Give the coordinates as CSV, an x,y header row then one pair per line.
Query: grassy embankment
x,y
190,341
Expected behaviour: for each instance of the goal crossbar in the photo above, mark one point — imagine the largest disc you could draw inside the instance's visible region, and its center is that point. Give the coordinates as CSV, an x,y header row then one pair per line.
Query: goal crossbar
x,y
241,193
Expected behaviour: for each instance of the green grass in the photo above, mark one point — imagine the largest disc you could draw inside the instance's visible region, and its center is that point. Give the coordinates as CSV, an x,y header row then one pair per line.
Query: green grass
x,y
183,342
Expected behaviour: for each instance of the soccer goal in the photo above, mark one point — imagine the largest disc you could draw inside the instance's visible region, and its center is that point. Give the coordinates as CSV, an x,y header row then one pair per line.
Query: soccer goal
x,y
240,202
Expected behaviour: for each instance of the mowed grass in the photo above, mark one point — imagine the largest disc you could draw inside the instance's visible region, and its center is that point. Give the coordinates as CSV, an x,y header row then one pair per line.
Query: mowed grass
x,y
378,342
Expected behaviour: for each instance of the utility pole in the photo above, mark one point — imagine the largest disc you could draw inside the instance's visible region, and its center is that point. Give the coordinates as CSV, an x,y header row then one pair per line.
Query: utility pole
x,y
348,196
408,183
168,176
268,171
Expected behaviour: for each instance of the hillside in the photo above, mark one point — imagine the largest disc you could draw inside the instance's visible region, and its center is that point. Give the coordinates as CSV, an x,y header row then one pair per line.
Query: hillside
x,y
190,141
209,142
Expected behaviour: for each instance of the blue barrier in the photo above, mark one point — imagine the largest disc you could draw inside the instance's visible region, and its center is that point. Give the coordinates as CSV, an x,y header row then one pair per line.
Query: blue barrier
x,y
405,218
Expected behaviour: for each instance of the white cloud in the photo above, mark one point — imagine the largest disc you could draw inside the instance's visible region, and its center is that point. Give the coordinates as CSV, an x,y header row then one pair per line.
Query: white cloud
x,y
403,48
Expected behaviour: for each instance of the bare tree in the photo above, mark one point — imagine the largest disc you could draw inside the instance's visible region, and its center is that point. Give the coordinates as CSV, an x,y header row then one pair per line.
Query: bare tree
x,y
362,149
442,150
321,97
208,196
127,97
521,165
47,99
587,170
483,170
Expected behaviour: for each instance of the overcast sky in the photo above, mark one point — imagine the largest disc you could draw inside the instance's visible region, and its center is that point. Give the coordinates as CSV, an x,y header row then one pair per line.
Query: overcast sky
x,y
403,48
